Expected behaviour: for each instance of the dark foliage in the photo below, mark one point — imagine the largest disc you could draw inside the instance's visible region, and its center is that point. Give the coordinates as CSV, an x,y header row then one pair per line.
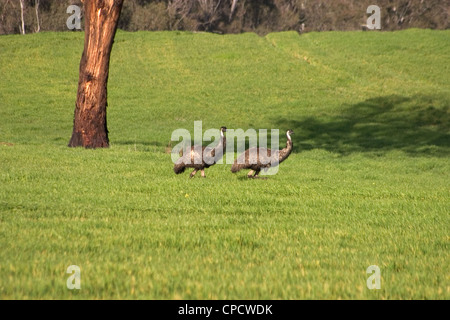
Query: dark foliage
x,y
235,16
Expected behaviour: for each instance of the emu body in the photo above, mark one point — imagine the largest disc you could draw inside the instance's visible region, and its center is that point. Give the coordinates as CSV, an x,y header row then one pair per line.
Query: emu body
x,y
200,158
257,159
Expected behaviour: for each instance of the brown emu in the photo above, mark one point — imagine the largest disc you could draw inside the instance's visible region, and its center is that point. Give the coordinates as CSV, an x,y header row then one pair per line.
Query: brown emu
x,y
192,158
257,159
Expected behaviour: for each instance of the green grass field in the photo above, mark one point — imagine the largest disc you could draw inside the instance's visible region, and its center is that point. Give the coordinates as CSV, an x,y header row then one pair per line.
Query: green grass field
x,y
368,182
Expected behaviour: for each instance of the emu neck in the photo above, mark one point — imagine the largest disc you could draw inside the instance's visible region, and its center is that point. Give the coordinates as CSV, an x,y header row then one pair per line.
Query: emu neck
x,y
223,141
284,153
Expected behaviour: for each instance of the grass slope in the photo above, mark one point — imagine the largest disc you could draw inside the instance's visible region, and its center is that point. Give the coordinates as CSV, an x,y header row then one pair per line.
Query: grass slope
x,y
368,183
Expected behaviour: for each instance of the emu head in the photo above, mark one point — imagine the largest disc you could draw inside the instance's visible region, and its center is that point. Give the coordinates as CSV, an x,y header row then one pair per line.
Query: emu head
x,y
288,134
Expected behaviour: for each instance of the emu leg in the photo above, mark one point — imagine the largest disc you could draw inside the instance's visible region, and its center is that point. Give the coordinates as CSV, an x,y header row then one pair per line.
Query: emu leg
x,y
256,176
250,174
203,173
193,173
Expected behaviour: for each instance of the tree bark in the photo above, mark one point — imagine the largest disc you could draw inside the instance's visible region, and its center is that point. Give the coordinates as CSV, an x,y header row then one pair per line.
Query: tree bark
x,y
36,8
233,6
89,124
22,5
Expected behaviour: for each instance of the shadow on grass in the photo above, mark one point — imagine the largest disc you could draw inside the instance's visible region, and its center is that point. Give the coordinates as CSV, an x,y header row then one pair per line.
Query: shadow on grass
x,y
417,125
139,142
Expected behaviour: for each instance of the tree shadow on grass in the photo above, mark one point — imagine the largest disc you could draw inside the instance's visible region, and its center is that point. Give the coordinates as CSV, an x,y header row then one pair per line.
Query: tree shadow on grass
x,y
139,142
417,125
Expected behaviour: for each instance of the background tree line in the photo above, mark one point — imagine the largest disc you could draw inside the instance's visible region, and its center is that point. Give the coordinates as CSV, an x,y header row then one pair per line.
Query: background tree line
x,y
233,16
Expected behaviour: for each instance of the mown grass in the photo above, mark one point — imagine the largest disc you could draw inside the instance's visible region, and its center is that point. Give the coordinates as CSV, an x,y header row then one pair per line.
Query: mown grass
x,y
368,183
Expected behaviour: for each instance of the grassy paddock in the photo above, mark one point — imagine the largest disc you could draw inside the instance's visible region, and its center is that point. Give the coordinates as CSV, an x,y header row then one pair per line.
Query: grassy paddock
x,y
367,184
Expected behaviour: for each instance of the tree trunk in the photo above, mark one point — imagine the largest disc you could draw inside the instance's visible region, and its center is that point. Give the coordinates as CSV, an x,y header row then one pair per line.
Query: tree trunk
x,y
89,124
22,5
233,6
36,8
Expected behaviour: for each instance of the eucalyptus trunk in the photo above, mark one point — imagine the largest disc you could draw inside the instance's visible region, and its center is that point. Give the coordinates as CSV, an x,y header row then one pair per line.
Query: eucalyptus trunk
x,y
89,125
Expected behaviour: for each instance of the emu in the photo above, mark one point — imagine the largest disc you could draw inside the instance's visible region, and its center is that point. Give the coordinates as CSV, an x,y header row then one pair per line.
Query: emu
x,y
257,159
208,157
